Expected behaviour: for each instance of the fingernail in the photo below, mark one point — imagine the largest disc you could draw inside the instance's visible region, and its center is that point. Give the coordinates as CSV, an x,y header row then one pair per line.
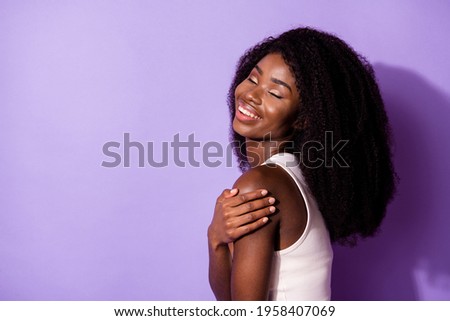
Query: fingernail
x,y
265,219
271,200
234,190
263,192
272,209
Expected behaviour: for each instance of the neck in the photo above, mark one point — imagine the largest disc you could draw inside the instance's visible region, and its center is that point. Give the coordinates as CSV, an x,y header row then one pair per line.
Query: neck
x,y
259,151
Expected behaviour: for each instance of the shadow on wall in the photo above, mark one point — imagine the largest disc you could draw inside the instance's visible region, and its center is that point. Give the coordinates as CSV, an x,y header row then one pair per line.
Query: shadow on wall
x,y
410,258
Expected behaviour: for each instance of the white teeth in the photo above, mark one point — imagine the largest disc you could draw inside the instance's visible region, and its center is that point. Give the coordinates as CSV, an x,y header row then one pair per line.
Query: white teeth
x,y
247,113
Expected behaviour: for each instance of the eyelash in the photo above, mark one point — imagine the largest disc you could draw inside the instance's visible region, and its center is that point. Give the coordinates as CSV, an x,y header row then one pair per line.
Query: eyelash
x,y
255,83
251,80
276,96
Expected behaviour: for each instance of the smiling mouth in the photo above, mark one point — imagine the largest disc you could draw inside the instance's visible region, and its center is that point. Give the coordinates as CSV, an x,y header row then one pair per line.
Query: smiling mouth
x,y
246,112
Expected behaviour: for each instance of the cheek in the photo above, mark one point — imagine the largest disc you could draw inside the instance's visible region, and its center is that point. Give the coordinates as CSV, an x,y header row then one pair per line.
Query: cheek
x,y
239,89
281,114
282,119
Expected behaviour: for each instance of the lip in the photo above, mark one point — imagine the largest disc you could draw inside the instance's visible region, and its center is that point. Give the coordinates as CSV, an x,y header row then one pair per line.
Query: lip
x,y
242,108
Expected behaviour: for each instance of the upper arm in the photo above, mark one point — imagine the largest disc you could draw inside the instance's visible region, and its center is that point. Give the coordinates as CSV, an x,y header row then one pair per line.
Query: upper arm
x,y
253,253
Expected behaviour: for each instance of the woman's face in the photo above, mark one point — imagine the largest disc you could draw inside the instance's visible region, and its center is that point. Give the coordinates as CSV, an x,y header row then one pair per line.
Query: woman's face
x,y
267,101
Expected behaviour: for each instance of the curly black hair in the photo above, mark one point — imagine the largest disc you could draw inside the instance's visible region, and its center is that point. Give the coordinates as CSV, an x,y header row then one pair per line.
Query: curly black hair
x,y
339,95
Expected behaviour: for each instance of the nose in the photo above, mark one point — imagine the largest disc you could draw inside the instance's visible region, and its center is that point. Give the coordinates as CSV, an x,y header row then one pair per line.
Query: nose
x,y
254,95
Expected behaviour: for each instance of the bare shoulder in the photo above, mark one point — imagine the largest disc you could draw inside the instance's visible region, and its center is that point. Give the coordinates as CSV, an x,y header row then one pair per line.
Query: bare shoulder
x,y
289,200
263,176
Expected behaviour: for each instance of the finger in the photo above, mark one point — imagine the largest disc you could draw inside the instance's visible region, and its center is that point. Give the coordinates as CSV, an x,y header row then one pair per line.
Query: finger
x,y
231,193
248,228
253,205
223,195
253,216
249,196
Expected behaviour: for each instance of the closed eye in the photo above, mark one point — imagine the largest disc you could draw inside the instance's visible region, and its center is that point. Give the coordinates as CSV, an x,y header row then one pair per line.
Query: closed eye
x,y
252,80
275,95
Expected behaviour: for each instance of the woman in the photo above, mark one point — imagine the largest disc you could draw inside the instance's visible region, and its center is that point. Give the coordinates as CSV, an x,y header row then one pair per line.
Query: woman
x,y
312,138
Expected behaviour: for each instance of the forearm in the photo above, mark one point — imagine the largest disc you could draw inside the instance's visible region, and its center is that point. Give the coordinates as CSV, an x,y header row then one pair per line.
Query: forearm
x,y
219,270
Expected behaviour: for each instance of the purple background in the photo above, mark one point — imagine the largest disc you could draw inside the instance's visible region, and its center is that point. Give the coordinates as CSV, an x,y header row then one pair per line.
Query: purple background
x,y
73,77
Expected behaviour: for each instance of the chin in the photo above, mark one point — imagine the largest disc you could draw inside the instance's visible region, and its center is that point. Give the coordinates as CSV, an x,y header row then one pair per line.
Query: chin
x,y
254,132
238,128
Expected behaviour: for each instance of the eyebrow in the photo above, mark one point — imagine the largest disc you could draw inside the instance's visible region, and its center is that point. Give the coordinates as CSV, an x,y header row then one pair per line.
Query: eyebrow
x,y
275,80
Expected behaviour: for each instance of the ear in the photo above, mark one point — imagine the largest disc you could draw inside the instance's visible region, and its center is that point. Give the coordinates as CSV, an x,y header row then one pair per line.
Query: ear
x,y
300,124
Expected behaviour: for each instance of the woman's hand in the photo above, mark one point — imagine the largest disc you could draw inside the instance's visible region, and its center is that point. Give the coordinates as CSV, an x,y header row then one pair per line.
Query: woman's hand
x,y
236,215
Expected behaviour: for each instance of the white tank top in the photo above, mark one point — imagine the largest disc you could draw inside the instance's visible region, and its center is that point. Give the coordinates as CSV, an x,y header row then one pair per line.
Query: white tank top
x,y
302,271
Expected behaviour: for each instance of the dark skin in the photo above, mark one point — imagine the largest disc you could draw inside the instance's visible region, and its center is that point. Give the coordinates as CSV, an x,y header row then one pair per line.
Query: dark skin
x,y
234,216
266,103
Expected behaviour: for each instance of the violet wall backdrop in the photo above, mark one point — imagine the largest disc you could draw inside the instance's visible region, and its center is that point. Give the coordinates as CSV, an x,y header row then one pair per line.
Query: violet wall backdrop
x,y
75,75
